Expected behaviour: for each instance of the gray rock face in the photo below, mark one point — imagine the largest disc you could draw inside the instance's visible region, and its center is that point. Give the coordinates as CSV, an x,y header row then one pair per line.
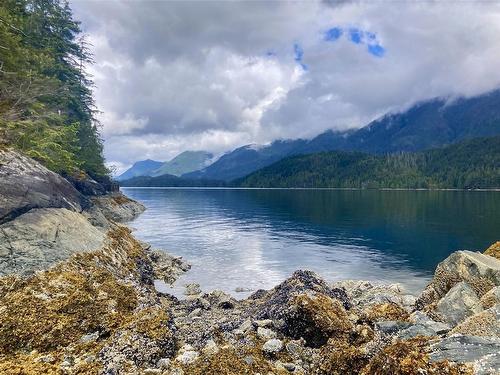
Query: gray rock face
x,y
420,318
118,207
483,353
26,184
459,303
42,237
481,272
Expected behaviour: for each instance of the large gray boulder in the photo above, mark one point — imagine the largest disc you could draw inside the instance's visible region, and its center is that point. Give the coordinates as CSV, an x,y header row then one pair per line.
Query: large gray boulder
x,y
481,272
26,184
459,303
42,237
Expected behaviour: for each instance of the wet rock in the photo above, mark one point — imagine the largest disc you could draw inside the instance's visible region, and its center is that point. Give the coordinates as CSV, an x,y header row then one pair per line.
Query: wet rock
x,y
481,272
272,346
415,330
483,353
460,302
421,318
389,327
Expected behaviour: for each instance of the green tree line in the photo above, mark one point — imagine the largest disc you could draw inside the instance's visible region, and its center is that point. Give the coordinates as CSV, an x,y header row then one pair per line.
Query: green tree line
x,y
471,164
46,105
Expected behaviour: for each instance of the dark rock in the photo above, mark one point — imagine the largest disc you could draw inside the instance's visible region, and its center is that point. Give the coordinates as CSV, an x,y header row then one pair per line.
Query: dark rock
x,y
26,184
279,299
390,327
483,352
86,185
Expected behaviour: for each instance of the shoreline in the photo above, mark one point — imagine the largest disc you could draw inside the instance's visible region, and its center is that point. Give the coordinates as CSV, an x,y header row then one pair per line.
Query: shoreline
x,y
81,300
299,188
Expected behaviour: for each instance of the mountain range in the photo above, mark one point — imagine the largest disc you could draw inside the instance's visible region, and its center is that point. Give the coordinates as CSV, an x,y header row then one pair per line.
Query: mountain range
x,y
429,124
185,162
470,164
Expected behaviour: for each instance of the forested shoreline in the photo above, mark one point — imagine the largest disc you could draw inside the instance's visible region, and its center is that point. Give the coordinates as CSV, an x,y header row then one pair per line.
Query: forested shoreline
x,y
473,164
47,109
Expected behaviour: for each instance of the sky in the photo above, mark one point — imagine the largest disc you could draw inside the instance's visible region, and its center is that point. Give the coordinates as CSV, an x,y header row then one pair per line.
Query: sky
x,y
215,75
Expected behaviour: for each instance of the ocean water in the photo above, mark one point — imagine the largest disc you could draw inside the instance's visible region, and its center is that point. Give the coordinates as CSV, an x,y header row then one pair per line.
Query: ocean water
x,y
255,238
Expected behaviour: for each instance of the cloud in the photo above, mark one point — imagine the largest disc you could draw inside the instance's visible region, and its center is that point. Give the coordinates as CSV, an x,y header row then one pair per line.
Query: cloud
x,y
173,76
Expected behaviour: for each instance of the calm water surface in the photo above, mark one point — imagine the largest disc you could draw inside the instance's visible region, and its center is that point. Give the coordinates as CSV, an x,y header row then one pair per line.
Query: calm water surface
x,y
256,238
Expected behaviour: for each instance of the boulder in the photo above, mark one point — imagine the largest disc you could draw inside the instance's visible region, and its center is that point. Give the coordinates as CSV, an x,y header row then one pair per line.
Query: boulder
x,y
42,237
421,318
491,298
25,184
118,207
481,272
483,353
459,303
485,323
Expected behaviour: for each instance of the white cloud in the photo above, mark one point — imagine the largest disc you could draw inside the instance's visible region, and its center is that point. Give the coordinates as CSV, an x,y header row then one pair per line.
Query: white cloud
x,y
173,76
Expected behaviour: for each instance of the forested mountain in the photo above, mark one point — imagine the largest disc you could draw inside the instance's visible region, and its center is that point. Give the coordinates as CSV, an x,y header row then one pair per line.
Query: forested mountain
x,y
470,164
245,160
46,104
185,162
433,123
140,168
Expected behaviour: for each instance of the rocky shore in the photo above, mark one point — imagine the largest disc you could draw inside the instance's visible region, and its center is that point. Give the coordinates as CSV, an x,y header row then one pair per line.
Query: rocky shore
x,y
77,296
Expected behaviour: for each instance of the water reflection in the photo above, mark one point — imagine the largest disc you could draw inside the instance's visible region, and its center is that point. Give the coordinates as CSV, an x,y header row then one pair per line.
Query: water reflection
x,y
256,238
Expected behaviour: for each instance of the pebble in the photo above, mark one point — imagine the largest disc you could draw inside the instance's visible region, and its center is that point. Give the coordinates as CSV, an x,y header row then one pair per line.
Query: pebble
x,y
242,290
89,338
187,357
272,346
210,348
163,363
49,358
192,289
265,333
263,323
195,312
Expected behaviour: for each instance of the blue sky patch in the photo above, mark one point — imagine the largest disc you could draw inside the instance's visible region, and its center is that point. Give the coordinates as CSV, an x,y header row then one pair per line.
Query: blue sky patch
x,y
333,34
357,36
299,54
